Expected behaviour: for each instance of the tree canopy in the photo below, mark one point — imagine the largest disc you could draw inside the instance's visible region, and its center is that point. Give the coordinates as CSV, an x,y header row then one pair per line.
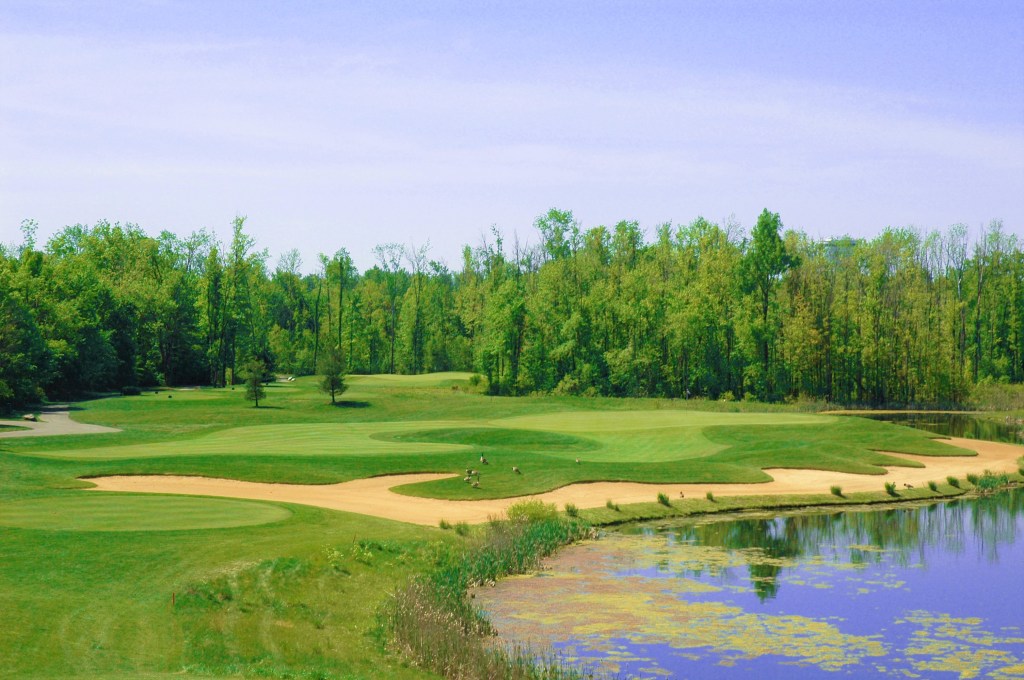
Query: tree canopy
x,y
701,309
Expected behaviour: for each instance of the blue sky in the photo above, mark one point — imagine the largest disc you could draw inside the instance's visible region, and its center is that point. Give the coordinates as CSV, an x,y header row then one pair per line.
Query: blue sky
x,y
351,124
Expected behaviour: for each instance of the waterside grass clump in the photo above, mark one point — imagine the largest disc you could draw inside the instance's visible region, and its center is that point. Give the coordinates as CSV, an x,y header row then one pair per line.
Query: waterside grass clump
x,y
890,488
434,625
836,490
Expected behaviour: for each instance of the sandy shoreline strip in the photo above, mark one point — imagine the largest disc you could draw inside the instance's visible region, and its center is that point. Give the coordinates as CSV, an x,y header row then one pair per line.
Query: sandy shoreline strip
x,y
374,496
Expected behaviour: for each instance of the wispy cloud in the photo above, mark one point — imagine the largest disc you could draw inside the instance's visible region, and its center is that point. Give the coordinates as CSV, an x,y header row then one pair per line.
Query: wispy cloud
x,y
180,134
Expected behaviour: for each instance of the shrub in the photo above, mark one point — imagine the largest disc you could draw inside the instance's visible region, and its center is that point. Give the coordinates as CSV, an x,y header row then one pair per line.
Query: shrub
x,y
953,482
710,496
973,478
462,528
475,379
990,482
530,511
836,490
933,486
444,524
611,506
572,510
890,488
663,499
434,625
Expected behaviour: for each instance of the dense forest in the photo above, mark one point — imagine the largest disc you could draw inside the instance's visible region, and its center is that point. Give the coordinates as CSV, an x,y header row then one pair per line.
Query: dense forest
x,y
697,310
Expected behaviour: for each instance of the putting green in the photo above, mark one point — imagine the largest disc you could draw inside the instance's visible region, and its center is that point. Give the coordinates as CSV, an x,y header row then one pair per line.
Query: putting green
x,y
93,511
652,436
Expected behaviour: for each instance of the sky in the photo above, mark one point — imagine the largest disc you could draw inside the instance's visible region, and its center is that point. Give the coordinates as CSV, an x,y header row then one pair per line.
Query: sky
x,y
352,124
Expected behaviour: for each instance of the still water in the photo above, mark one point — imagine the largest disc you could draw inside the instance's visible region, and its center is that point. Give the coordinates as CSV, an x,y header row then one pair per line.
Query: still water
x,y
958,425
926,591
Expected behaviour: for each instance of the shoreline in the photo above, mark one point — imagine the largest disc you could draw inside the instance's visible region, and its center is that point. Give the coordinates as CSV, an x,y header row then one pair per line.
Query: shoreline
x,y
375,496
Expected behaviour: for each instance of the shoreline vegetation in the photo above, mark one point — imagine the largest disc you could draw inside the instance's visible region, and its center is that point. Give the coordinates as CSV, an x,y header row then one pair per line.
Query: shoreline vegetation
x,y
433,623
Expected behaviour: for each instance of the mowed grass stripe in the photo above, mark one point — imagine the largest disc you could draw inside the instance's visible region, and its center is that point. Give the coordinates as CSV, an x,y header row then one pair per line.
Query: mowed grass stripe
x,y
146,512
317,439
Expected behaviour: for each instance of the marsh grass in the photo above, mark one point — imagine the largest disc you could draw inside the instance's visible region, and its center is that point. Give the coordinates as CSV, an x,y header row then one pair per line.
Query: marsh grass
x,y
612,506
432,622
933,486
710,496
973,478
663,499
890,488
571,510
953,481
991,482
836,490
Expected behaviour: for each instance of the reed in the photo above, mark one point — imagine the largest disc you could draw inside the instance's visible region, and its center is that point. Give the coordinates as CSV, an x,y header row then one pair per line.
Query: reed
x,y
432,622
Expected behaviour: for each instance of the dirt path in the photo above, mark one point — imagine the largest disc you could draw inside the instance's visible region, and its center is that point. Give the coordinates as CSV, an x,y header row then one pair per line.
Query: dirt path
x,y
53,420
374,496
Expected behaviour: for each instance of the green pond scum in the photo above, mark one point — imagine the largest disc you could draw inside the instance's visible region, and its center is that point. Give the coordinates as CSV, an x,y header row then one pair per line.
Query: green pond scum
x,y
817,600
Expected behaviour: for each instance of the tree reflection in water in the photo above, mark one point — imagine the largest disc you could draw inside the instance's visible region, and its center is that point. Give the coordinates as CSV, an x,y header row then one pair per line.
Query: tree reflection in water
x,y
858,537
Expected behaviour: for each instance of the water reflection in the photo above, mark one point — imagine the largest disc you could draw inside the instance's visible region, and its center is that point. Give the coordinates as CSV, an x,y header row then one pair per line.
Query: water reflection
x,y
902,591
901,534
1010,430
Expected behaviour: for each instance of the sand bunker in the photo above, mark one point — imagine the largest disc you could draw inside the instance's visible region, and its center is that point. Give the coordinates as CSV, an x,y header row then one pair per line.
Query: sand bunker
x,y
374,496
53,420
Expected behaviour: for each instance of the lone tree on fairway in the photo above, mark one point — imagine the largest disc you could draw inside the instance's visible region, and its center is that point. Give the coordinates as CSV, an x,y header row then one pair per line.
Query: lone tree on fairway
x,y
333,380
254,372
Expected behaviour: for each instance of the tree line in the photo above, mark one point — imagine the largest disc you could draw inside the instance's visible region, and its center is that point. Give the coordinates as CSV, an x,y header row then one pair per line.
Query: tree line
x,y
702,309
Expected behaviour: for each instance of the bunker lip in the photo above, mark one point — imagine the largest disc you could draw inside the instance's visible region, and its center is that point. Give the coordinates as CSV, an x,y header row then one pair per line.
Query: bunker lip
x,y
375,496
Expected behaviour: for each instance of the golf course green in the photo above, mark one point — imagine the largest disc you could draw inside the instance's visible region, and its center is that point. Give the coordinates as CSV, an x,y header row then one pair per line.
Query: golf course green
x,y
110,585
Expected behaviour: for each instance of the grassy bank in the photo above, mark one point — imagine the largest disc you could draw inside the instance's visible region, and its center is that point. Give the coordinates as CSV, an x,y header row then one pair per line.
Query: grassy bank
x,y
432,620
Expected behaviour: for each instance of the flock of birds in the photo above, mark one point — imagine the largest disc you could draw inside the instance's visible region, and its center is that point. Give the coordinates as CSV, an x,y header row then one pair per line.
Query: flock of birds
x,y
473,476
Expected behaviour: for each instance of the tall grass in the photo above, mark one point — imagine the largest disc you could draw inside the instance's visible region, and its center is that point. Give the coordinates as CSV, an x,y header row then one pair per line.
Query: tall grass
x,y
432,622
890,488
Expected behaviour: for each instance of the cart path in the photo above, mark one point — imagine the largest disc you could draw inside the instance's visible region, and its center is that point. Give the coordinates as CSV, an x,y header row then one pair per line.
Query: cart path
x,y
53,420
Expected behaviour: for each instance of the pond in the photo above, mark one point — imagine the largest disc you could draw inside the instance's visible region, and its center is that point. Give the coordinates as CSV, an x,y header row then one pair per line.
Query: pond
x,y
958,425
926,591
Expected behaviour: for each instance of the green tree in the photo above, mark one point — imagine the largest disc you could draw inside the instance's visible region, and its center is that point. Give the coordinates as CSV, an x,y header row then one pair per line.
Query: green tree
x,y
764,264
255,374
333,379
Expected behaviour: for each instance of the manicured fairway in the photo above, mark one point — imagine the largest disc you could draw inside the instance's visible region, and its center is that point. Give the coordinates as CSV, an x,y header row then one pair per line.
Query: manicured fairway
x,y
118,512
